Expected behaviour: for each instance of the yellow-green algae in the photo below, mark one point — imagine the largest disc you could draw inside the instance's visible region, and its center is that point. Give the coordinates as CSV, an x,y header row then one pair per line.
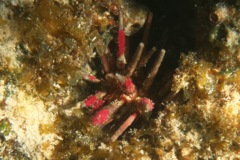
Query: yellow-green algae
x,y
42,65
41,69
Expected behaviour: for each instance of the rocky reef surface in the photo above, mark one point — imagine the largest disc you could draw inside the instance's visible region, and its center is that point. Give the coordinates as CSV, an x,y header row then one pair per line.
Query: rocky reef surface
x,y
47,47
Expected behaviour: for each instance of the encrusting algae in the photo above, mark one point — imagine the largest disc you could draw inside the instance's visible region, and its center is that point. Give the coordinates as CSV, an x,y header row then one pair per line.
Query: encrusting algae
x,y
47,47
203,122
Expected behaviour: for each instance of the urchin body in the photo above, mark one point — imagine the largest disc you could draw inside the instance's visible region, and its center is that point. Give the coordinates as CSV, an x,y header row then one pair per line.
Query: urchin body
x,y
119,90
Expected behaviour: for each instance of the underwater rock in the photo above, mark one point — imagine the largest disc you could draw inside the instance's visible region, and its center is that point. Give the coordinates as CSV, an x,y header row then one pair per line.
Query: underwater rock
x,y
47,47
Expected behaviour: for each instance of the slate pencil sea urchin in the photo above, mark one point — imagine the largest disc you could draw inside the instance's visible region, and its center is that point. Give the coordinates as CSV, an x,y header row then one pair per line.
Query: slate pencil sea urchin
x,y
119,88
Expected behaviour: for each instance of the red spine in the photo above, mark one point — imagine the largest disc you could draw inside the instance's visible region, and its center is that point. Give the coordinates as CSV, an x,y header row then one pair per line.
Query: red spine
x,y
121,42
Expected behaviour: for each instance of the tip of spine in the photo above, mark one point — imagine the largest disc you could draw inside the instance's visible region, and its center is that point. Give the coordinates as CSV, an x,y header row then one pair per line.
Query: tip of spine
x,y
141,44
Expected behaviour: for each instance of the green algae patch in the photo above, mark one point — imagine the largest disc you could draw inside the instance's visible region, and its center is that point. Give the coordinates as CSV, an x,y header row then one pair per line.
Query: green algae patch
x,y
5,127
